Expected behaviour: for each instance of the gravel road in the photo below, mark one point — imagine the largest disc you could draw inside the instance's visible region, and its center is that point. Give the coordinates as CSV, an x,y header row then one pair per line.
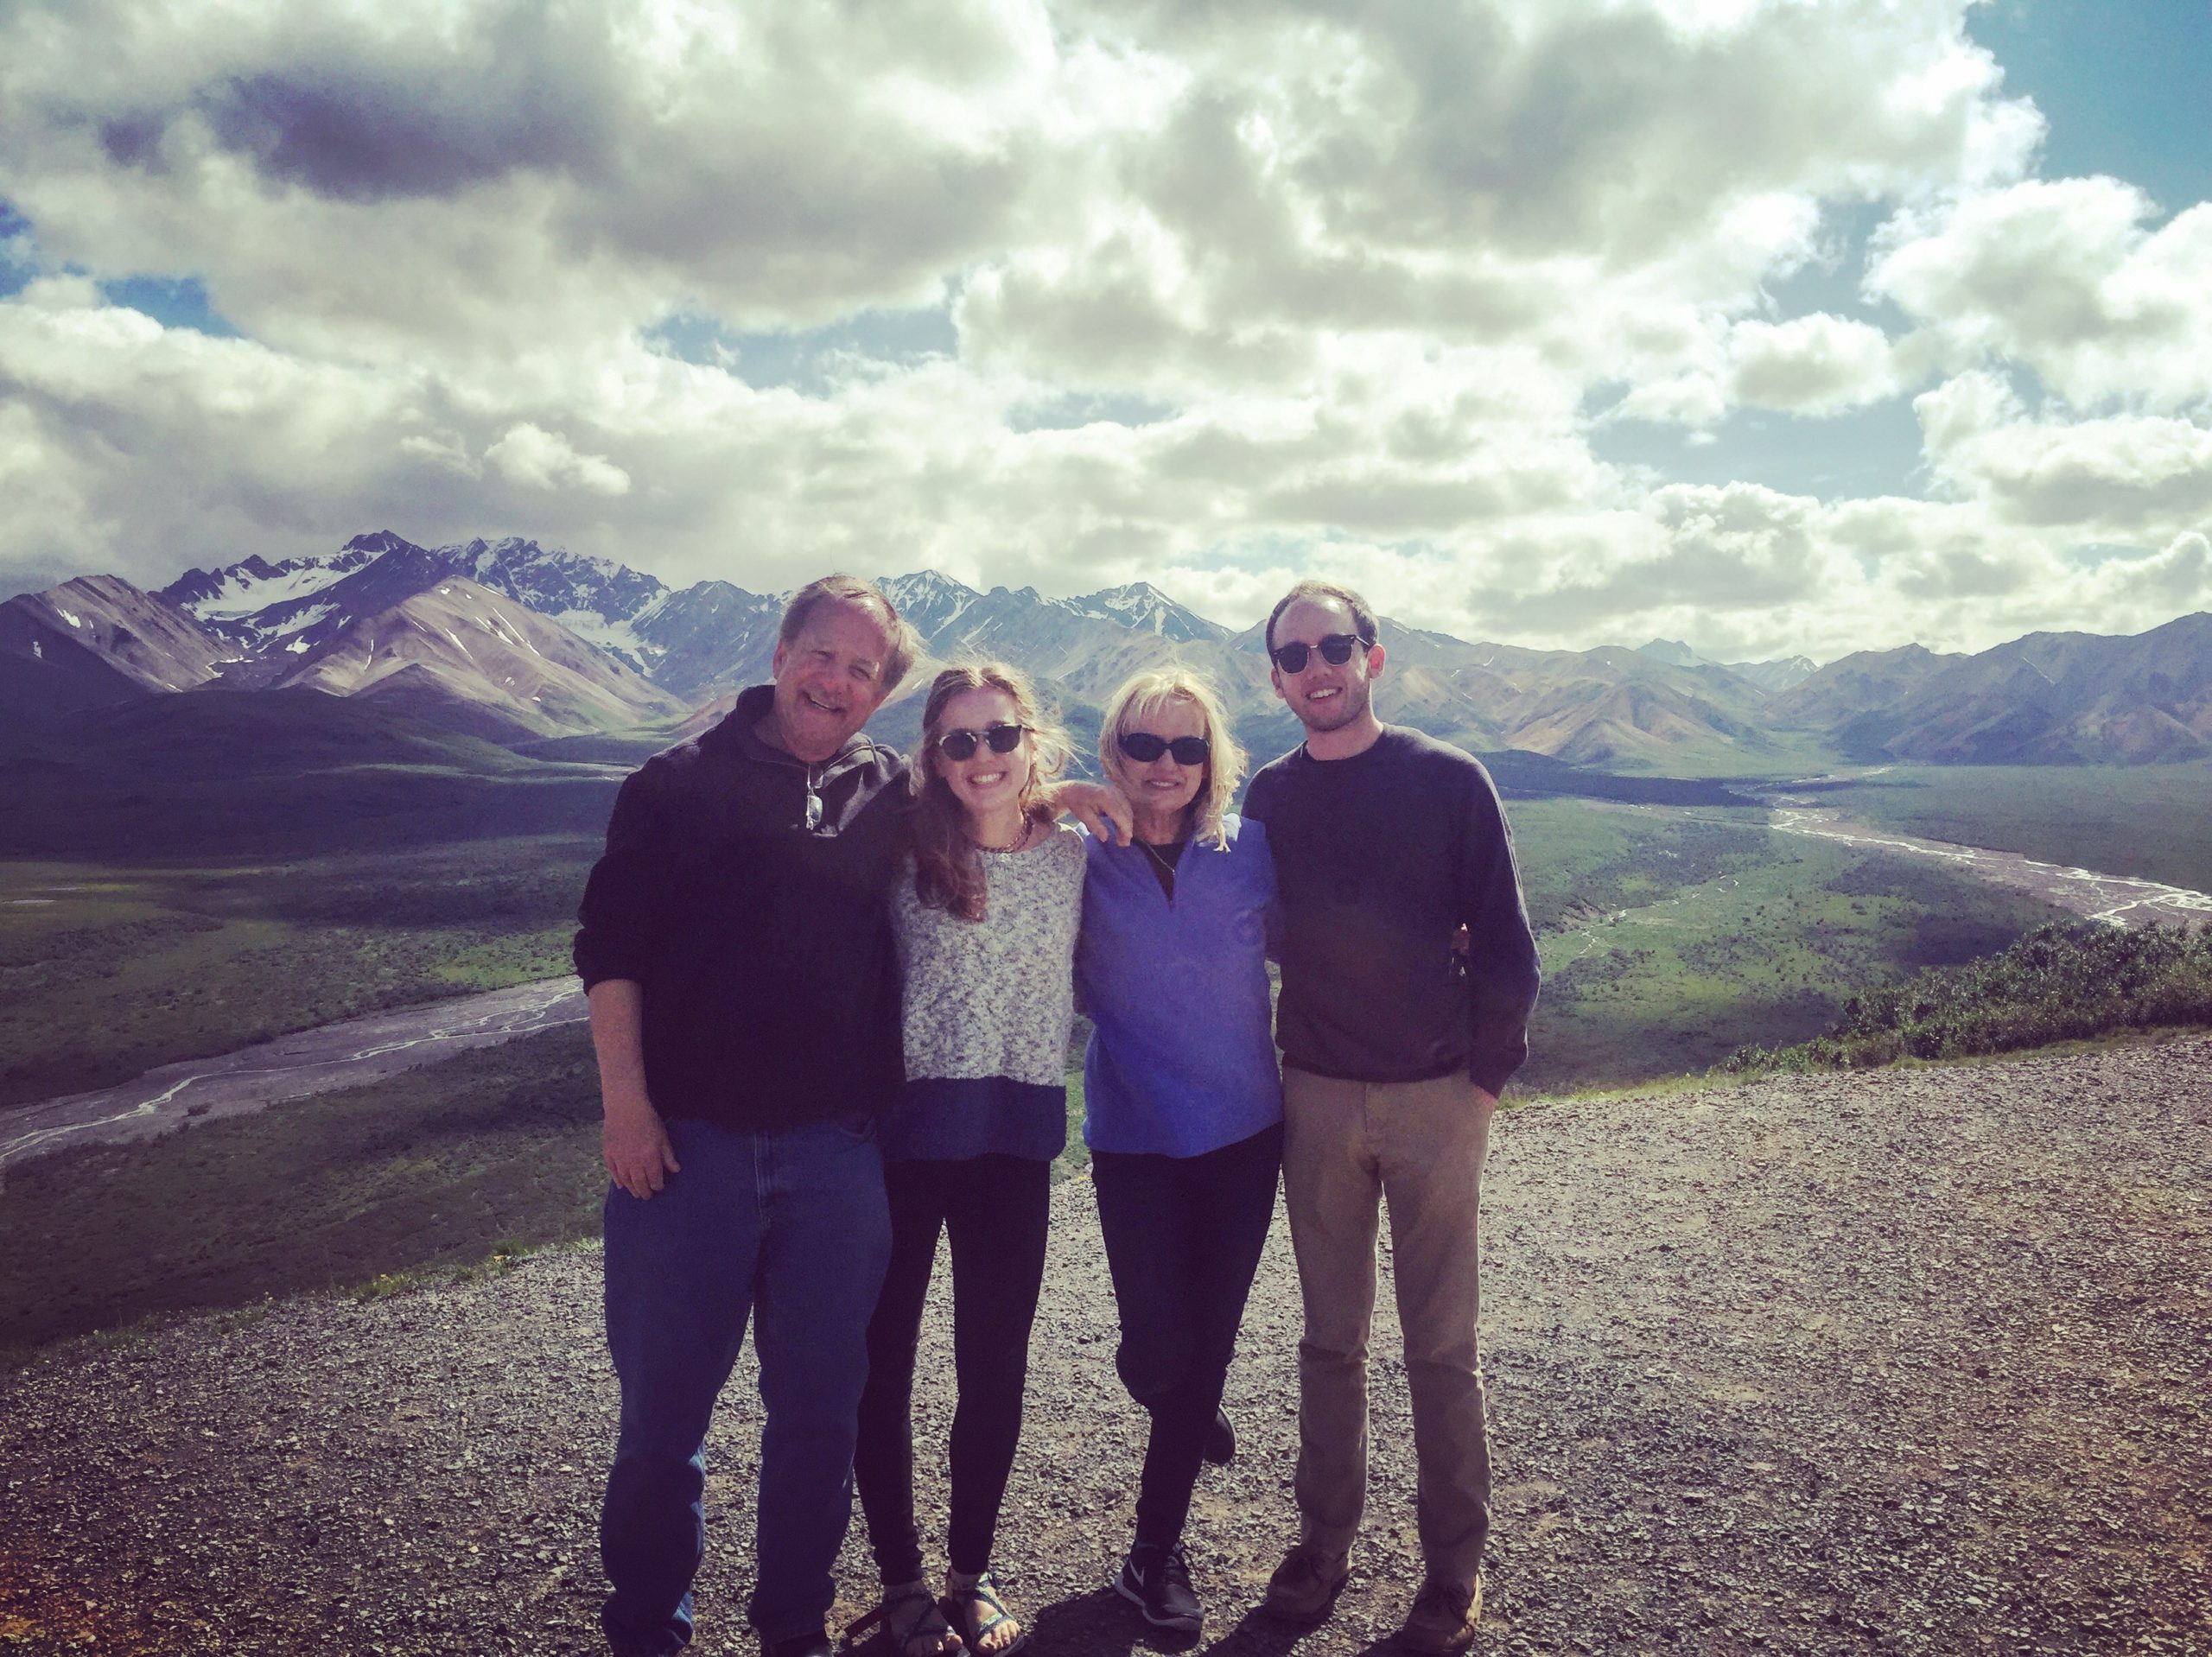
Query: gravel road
x,y
1909,1363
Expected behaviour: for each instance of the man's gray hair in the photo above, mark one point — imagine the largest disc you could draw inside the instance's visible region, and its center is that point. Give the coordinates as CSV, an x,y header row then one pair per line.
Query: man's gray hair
x,y
905,643
1362,613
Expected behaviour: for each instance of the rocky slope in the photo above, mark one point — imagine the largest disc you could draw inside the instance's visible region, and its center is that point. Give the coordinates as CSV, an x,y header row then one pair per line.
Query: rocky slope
x,y
462,656
1909,1363
97,640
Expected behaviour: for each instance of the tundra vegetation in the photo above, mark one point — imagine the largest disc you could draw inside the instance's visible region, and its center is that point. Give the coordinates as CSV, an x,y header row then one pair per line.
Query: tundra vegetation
x,y
2059,983
1670,939
107,972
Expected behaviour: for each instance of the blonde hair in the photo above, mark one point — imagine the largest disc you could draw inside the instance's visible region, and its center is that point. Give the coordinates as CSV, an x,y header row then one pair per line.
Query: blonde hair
x,y
1154,688
948,872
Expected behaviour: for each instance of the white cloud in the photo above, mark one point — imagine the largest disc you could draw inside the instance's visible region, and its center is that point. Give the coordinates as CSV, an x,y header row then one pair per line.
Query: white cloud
x,y
1367,270
1813,364
544,460
2062,275
2140,478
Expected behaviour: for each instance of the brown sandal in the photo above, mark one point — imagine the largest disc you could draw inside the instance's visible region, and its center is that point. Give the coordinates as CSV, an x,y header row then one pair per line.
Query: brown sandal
x,y
912,1622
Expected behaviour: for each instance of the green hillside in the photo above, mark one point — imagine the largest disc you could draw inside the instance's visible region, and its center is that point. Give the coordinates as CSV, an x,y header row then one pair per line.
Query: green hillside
x,y
2059,983
107,971
492,1150
273,773
1669,940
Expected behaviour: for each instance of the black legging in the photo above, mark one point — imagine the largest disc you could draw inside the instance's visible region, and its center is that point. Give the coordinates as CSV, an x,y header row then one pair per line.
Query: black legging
x,y
995,1209
1183,1240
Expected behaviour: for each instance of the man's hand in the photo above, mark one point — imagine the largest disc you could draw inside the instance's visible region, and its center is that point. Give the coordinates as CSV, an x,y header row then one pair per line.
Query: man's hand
x,y
632,1139
1099,807
635,1142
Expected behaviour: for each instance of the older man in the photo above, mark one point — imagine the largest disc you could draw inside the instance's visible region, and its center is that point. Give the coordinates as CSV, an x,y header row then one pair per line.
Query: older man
x,y
744,999
1398,1029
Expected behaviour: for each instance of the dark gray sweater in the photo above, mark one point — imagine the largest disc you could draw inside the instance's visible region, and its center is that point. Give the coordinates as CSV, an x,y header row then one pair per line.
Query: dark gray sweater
x,y
1380,858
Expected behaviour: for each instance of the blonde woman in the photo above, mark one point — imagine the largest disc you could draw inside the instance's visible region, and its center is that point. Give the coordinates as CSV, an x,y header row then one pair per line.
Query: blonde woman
x,y
1182,1102
985,922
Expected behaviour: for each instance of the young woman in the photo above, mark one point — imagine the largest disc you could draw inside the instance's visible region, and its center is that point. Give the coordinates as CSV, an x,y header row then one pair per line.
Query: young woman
x,y
986,928
1183,1100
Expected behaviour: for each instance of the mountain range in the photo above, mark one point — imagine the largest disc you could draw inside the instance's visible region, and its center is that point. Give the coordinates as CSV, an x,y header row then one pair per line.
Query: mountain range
x,y
519,643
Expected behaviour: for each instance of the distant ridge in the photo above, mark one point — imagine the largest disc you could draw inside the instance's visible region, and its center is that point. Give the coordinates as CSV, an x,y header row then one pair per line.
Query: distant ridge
x,y
2058,698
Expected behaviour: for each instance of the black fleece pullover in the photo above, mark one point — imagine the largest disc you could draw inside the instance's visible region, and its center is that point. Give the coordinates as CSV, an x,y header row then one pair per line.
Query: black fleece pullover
x,y
744,891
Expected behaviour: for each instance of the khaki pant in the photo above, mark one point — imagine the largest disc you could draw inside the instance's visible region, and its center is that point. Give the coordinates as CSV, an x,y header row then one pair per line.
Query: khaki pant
x,y
1417,1146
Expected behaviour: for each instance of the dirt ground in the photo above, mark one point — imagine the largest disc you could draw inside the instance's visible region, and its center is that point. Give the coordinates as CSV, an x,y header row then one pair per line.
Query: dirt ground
x,y
1917,1361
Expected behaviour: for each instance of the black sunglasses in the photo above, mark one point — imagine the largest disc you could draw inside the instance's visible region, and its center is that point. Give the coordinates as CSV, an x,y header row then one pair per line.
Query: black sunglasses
x,y
962,745
1144,748
1336,650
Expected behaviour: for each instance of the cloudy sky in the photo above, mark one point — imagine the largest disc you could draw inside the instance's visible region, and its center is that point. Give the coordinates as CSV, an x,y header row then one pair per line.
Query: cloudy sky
x,y
1806,326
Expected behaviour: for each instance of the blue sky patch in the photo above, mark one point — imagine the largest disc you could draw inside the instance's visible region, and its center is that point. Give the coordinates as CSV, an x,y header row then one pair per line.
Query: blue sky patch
x,y
2122,84
1071,411
173,301
804,361
15,234
1871,451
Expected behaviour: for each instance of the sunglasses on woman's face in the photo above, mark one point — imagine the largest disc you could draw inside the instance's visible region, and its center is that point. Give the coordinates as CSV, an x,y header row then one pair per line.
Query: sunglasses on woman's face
x,y
1144,748
1336,650
962,745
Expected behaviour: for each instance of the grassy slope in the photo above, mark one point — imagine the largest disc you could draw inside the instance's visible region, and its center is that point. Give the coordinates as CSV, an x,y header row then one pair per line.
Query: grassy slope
x,y
106,972
2061,983
1763,950
213,775
491,1149
2152,820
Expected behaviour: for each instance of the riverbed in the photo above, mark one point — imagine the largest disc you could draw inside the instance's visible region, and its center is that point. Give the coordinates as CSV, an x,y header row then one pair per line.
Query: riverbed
x,y
343,1055
2117,899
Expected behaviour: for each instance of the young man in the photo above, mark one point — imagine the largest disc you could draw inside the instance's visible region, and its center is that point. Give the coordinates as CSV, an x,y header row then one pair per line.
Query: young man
x,y
736,950
1397,1039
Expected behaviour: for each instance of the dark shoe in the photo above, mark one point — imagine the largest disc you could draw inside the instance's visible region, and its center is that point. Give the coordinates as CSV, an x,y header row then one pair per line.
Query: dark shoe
x,y
1220,1440
1443,1618
1157,1582
799,1645
1305,1585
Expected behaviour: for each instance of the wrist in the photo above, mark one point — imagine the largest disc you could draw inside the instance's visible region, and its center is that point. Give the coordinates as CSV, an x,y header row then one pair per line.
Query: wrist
x,y
627,1102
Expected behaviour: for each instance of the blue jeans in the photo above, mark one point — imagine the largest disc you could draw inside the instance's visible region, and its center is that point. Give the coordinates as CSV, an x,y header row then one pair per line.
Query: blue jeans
x,y
792,1223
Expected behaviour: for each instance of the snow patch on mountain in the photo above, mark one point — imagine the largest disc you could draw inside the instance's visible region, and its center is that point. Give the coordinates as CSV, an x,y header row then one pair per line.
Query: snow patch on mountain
x,y
617,639
1146,609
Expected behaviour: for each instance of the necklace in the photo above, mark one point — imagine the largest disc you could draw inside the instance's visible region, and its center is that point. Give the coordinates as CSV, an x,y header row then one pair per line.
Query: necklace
x,y
1167,864
1021,836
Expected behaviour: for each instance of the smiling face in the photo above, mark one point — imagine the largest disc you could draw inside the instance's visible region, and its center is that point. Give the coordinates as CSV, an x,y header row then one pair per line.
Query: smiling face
x,y
830,678
1325,696
1160,788
984,783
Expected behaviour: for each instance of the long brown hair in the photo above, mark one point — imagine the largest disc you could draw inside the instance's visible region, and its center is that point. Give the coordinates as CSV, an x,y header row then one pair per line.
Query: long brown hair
x,y
948,872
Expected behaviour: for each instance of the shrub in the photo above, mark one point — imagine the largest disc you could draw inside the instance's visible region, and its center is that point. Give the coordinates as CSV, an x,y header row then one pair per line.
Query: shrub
x,y
2058,983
